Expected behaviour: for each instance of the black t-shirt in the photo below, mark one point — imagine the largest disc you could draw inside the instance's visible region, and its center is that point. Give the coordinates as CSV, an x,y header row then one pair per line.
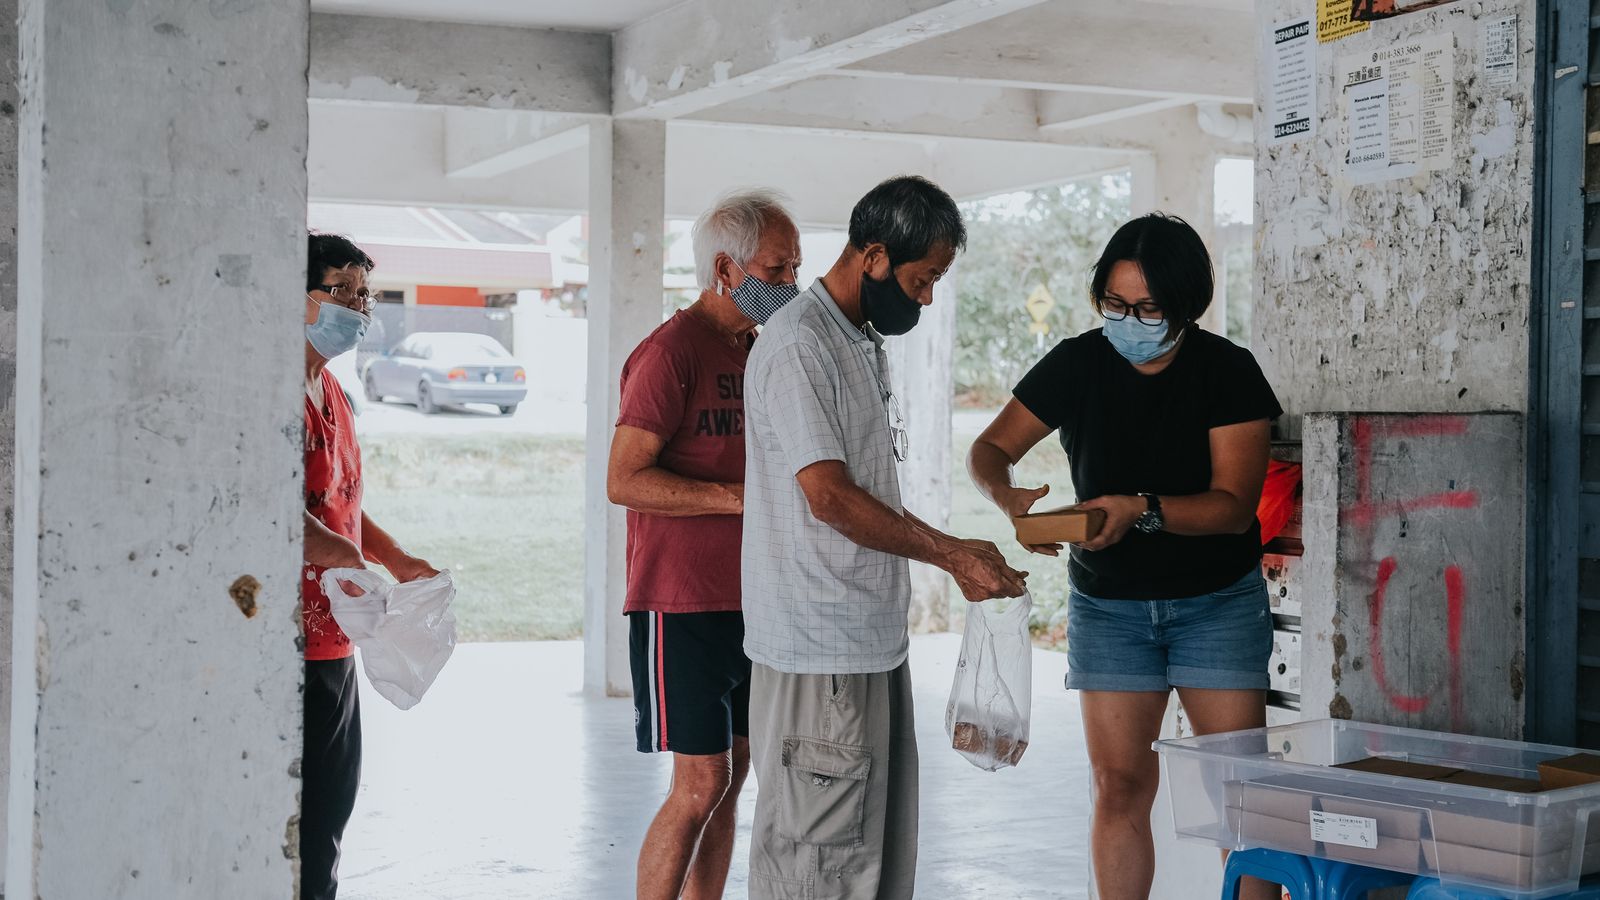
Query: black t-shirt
x,y
1128,433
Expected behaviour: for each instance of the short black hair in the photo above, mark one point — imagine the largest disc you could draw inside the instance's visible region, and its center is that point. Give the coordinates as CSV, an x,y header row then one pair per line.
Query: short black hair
x,y
1174,260
909,215
331,251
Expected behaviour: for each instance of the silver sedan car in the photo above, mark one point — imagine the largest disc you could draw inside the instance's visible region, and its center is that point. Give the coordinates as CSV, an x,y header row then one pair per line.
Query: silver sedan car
x,y
435,369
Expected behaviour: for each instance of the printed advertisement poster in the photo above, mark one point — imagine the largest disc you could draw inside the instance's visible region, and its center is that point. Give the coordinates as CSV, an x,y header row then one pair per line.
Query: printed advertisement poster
x,y
1414,82
1292,94
1500,51
1334,22
1373,10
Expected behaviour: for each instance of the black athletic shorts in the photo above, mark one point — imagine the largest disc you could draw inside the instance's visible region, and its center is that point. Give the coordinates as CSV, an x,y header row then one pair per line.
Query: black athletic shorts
x,y
691,681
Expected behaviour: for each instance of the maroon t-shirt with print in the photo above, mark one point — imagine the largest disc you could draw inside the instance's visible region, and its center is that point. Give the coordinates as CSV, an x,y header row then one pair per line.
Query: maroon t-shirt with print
x,y
685,384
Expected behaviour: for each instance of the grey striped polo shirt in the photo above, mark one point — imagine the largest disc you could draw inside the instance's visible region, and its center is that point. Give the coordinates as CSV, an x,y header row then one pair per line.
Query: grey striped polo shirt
x,y
816,603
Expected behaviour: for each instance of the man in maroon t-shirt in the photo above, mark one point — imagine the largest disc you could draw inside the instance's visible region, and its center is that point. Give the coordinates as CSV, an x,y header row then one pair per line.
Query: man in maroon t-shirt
x,y
677,464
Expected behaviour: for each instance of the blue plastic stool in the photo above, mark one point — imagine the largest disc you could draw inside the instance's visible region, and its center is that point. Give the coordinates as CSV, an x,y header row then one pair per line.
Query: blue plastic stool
x,y
1346,881
1431,889
1290,870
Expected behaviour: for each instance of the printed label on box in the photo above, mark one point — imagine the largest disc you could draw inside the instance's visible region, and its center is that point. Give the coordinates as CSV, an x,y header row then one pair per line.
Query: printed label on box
x,y
1349,831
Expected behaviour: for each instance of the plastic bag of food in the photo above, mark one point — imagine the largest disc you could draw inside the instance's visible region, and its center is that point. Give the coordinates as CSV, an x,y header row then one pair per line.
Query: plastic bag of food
x,y
405,632
992,699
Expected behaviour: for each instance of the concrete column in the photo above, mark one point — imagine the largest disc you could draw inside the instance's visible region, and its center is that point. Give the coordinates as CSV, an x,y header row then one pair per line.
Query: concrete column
x,y
1179,179
1413,529
921,366
8,370
627,217
156,718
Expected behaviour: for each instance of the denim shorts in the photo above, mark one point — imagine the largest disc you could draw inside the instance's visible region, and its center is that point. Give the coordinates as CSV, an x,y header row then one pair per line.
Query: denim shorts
x,y
1220,641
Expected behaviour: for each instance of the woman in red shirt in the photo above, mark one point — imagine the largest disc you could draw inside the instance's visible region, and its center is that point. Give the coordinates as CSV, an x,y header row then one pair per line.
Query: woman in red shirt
x,y
337,535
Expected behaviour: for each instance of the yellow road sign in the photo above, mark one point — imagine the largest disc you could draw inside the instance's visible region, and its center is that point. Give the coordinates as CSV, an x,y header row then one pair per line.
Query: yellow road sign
x,y
1039,304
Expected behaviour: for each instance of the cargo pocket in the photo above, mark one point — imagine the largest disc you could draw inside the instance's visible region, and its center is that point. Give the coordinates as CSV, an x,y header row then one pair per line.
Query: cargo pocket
x,y
823,795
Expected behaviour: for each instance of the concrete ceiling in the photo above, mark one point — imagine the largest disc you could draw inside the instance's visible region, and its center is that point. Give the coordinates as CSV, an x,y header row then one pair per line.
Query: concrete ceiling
x,y
986,96
570,15
825,172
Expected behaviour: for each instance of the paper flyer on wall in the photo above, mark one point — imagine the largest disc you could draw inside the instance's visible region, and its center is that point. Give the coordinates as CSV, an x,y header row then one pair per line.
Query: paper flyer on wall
x,y
1292,70
1334,22
1413,85
1500,51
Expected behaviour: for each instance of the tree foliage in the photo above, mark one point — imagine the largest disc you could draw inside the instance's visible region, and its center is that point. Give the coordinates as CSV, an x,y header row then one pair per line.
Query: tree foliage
x,y
1015,243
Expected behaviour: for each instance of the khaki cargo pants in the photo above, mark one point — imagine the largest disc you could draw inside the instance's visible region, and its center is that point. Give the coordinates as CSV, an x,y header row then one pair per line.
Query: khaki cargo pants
x,y
835,759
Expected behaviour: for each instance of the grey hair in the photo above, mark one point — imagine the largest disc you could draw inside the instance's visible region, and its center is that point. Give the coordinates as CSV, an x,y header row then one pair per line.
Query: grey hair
x,y
733,226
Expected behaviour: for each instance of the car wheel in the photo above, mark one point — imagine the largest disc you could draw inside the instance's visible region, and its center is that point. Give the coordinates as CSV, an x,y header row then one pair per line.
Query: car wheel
x,y
508,410
371,389
425,404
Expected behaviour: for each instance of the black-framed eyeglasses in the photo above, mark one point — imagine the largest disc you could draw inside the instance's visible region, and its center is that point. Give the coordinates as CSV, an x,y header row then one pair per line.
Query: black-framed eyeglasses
x,y
1146,313
361,299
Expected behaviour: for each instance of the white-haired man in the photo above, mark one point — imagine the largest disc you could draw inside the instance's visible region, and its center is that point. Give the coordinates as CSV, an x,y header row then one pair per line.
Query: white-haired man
x,y
677,463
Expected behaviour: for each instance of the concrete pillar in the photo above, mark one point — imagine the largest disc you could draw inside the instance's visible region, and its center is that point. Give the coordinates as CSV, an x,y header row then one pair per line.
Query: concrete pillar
x,y
1179,178
1412,612
627,217
156,719
8,370
922,367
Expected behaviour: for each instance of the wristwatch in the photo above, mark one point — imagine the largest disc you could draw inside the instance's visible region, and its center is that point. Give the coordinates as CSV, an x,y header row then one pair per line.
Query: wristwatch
x,y
1150,521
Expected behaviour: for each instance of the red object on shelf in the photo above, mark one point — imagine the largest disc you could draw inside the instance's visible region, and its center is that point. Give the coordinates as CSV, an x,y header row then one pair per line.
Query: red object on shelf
x,y
1278,498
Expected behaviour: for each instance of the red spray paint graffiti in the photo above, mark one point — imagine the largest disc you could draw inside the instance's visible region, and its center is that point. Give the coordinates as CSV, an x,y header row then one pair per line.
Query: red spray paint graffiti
x,y
1366,512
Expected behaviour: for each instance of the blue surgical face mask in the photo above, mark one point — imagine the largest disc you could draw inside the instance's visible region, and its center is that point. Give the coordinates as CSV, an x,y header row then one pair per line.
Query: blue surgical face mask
x,y
758,299
1140,343
337,331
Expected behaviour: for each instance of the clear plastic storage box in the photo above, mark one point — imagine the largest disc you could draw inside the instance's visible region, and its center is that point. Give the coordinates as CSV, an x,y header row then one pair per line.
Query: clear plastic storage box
x,y
1278,788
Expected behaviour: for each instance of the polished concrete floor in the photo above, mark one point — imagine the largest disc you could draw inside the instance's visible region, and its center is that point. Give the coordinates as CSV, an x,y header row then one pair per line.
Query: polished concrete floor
x,y
507,782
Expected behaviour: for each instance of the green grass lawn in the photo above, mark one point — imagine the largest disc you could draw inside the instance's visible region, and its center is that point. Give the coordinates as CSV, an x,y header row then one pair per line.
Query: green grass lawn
x,y
973,516
505,514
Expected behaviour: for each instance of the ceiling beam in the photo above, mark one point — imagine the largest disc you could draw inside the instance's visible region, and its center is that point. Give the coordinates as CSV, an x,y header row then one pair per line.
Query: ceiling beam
x,y
1060,112
482,143
704,53
1134,49
407,62
901,108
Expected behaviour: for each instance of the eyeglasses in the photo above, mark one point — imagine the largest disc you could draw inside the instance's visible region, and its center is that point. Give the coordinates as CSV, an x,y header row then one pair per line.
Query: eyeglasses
x,y
1146,313
897,429
361,300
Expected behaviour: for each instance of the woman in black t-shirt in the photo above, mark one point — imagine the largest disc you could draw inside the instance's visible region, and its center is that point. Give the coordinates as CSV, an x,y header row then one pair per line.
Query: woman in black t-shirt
x,y
1166,428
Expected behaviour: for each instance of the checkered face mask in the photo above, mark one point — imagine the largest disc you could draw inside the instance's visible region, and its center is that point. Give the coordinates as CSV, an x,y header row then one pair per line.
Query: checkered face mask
x,y
758,299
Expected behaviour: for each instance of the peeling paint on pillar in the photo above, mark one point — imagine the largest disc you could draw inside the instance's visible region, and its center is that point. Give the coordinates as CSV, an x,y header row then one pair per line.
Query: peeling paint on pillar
x,y
1412,294
1413,579
9,101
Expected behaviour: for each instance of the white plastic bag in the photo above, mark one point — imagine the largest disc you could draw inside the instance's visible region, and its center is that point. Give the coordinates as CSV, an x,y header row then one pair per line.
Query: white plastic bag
x,y
405,632
992,700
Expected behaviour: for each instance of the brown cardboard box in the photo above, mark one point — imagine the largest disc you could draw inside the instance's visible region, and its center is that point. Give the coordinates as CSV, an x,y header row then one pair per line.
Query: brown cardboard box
x,y
1378,765
1272,797
1394,821
1496,782
1399,834
1293,835
1059,526
1507,834
1569,771
1511,870
1516,870
1394,854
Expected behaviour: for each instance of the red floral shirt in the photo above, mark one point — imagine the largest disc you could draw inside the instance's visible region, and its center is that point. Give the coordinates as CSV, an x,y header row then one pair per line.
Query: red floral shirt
x,y
333,497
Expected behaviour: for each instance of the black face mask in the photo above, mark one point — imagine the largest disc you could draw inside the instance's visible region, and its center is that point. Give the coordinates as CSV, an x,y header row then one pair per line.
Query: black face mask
x,y
887,307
